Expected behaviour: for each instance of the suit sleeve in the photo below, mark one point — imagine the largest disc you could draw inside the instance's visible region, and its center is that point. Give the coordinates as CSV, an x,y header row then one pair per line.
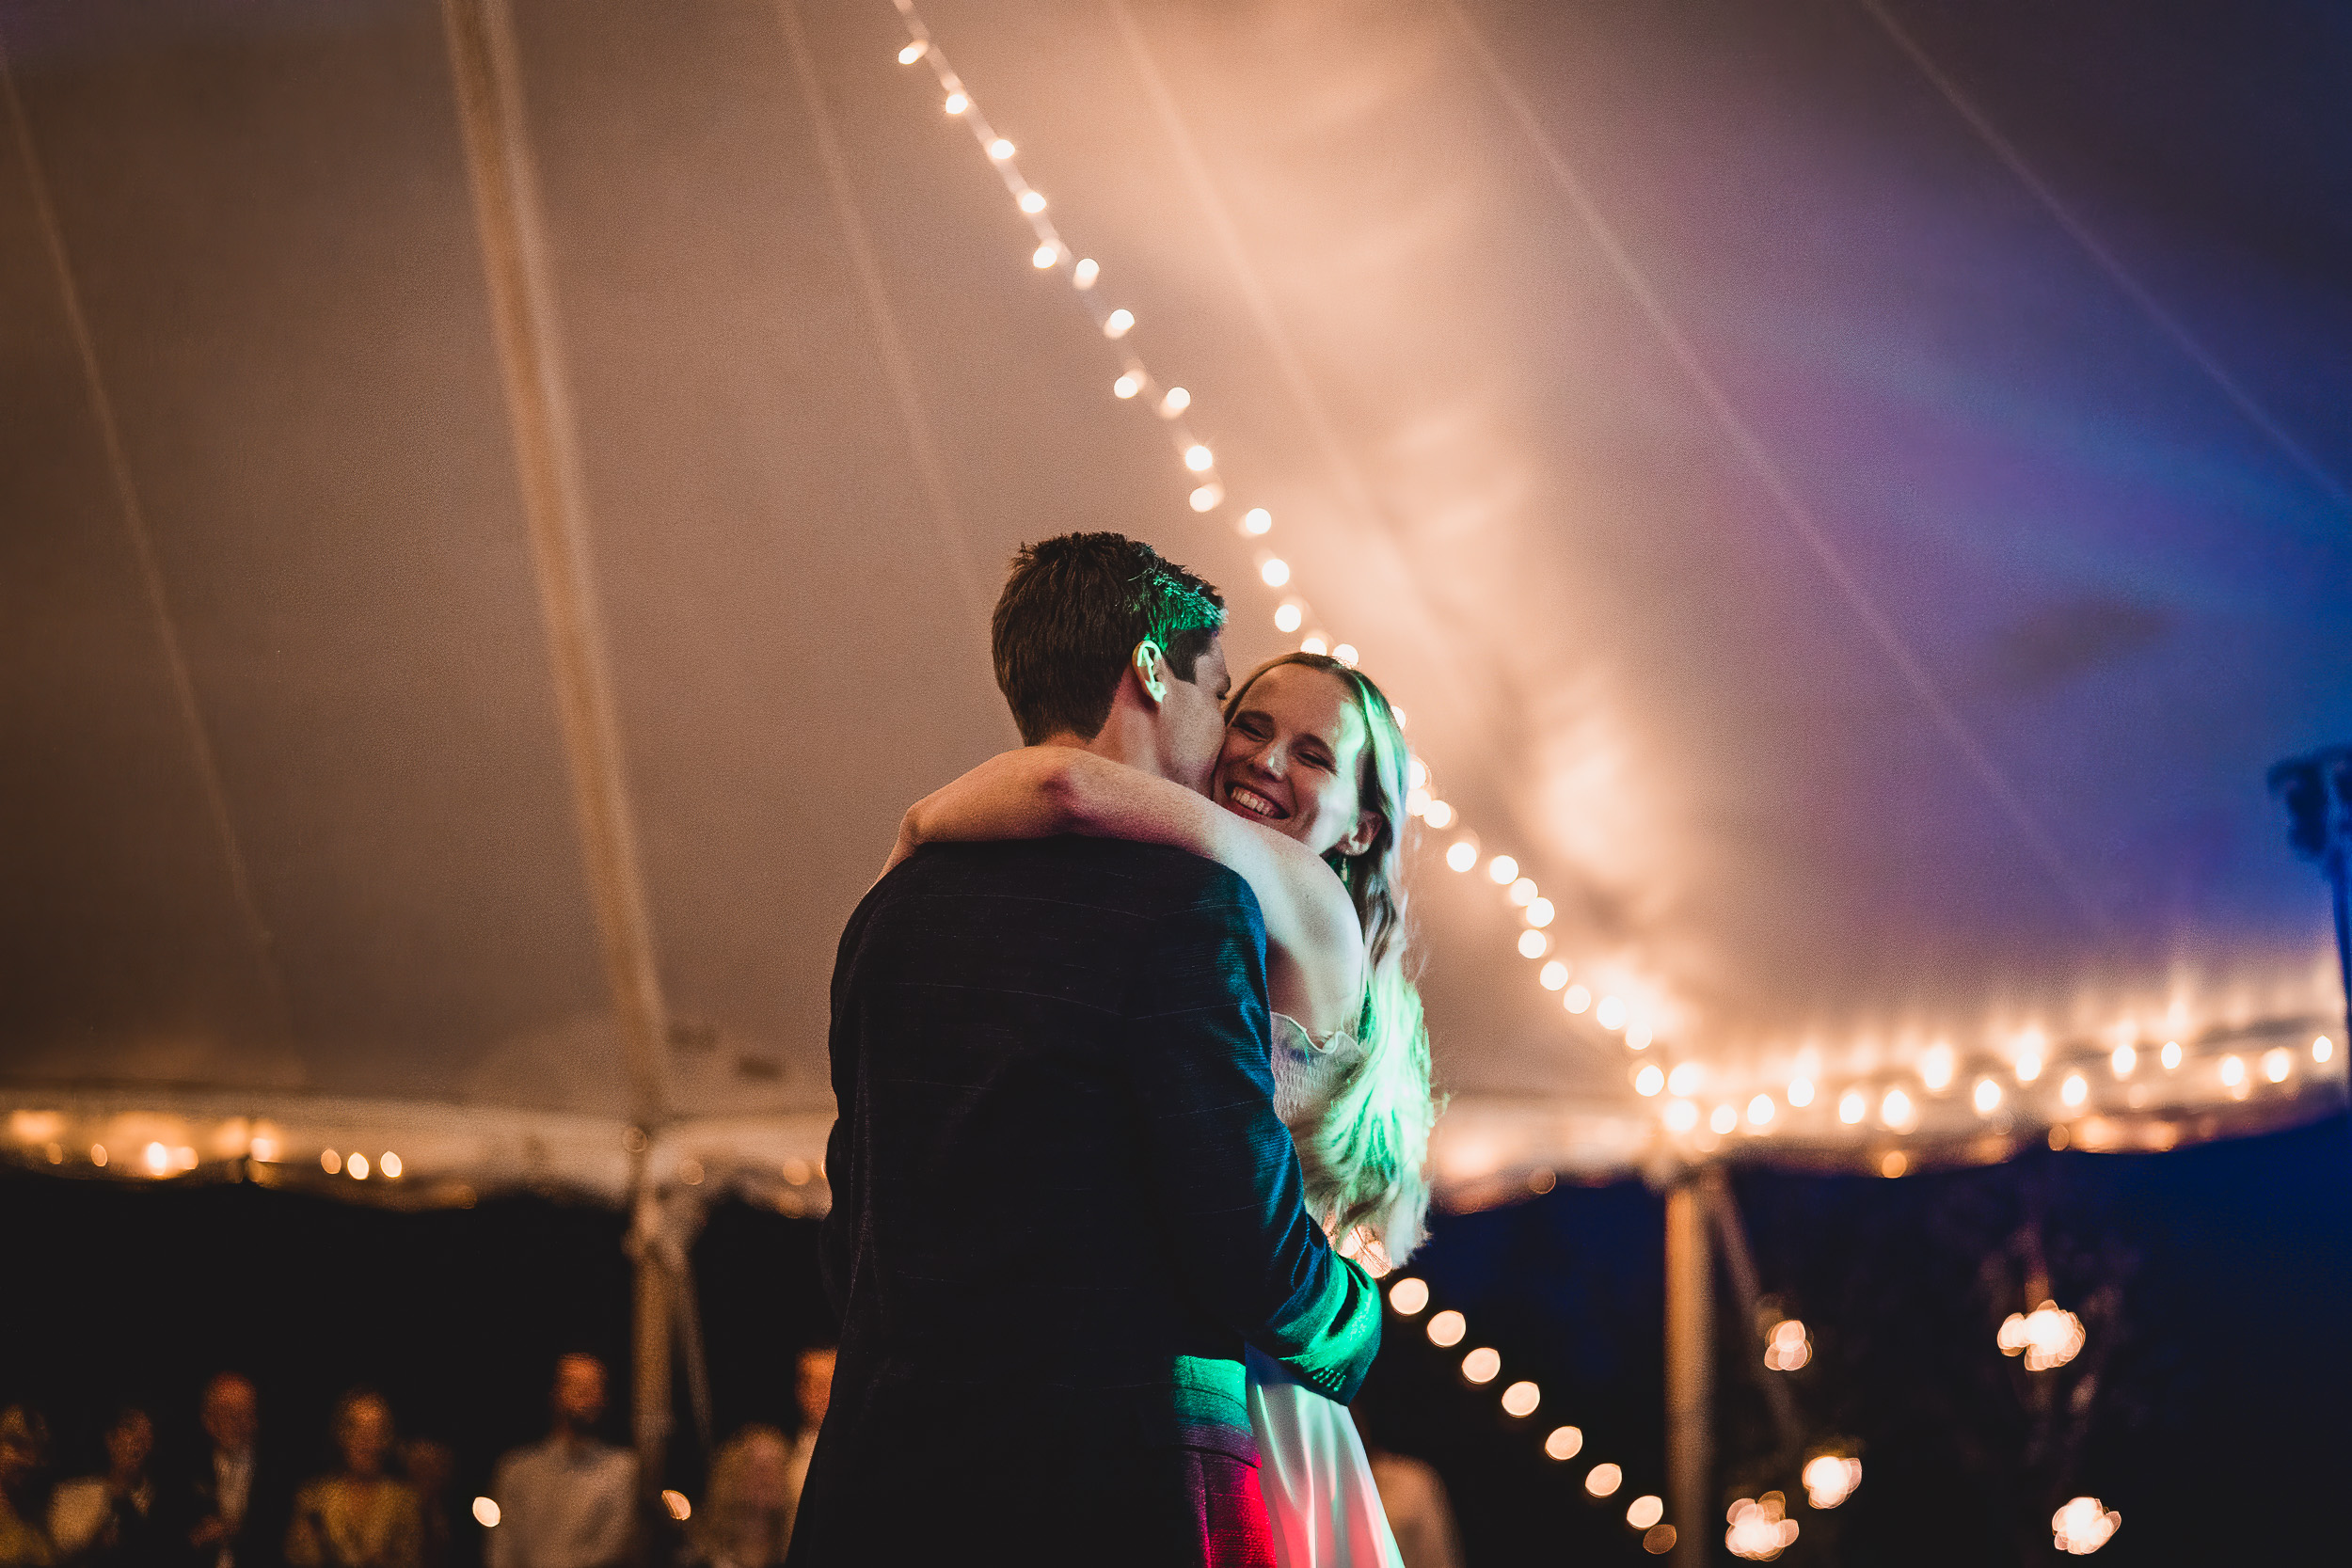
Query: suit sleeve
x,y
837,1233
1219,1162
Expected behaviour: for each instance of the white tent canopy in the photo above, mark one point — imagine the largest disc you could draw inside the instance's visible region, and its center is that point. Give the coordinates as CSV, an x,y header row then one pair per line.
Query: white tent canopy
x,y
1858,568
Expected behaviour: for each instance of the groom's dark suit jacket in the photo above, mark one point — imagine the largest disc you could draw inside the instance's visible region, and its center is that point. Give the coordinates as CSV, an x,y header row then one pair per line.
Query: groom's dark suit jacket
x,y
1062,1203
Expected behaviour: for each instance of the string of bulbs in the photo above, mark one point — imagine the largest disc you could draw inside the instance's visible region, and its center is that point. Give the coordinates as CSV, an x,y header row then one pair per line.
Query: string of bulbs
x,y
1135,384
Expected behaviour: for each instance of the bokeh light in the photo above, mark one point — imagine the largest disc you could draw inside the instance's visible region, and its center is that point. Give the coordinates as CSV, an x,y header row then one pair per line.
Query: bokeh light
x,y
1648,1081
1987,1098
2074,1090
1521,1399
1760,1528
2084,1526
1935,1068
1502,870
2277,1063
1565,1443
1576,999
1787,1348
1801,1092
2170,1054
1447,1329
1603,1480
1830,1478
1461,855
676,1504
1681,1115
485,1513
1408,1295
1723,1119
1032,202
2048,1337
1274,571
1288,618
1554,976
1611,1012
1534,945
2322,1047
1119,323
1256,520
1852,1106
1480,1365
1644,1511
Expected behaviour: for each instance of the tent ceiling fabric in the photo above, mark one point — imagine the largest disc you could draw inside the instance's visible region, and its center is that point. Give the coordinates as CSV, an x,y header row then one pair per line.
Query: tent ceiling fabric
x,y
1936,711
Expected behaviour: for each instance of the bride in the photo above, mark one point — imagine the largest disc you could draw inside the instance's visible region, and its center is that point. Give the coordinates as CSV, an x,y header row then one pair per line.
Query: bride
x,y
1306,806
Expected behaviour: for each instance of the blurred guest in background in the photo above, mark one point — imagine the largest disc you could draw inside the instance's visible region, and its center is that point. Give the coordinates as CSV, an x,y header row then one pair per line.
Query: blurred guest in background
x,y
232,1505
111,1521
568,1502
431,1466
23,1451
746,1520
814,1385
358,1518
1419,1516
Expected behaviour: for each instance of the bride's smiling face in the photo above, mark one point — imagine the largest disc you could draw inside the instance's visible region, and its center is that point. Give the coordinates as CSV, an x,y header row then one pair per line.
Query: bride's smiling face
x,y
1293,757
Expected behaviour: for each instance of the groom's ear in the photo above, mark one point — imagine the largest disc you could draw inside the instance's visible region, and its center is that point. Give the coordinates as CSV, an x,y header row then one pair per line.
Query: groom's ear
x,y
1147,661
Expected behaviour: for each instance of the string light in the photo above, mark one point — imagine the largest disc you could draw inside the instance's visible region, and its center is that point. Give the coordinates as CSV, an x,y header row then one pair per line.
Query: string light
x,y
2277,1063
2074,1090
1480,1365
2322,1047
1787,1348
485,1511
1611,1014
1987,1098
2234,1071
1800,1092
1760,1111
1648,1080
1521,1399
1461,855
1686,1078
1533,943
2048,1337
1602,1479
1830,1478
1723,1119
1852,1107
1645,1511
2084,1526
1935,1068
1521,892
2123,1061
1502,870
1446,1329
1049,253
1578,999
1760,1528
1565,1443
1680,1116
1408,1295
1554,974
2169,1056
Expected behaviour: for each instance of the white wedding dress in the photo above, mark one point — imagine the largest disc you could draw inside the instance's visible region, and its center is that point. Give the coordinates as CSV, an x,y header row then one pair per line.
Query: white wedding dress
x,y
1319,1493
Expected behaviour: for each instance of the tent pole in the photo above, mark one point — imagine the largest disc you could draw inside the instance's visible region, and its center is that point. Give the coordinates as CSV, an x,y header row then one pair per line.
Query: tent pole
x,y
485,72
1689,1368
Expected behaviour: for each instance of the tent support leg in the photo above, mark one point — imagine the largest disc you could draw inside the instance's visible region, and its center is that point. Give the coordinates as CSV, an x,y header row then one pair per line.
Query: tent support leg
x,y
652,1355
1690,1374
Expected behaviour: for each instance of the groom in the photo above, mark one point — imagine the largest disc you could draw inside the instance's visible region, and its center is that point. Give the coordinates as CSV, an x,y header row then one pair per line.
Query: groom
x,y
1062,1198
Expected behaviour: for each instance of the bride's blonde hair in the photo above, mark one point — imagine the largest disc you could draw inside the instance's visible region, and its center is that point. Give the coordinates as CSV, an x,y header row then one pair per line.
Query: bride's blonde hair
x,y
1364,1159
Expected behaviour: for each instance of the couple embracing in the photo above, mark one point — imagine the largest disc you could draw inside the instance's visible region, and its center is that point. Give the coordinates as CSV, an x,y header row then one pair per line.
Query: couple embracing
x,y
1121,1041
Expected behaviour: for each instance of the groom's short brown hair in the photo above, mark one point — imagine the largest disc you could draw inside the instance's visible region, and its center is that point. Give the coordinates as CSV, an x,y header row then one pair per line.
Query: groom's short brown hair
x,y
1072,611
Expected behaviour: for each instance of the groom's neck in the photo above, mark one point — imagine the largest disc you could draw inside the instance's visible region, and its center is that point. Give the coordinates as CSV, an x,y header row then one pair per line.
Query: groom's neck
x,y
1126,737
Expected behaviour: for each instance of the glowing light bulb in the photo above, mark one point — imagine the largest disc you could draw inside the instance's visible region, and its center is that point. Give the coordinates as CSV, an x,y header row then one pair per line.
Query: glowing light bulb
x,y
908,56
2074,1091
1174,401
1447,1329
1205,499
1801,1092
1502,870
1274,571
1648,1081
485,1511
674,1504
330,1162
1722,1119
1199,458
98,1155
1441,815
1000,150
1987,1098
2084,1526
1645,1511
1346,652
1555,975
2048,1337
357,1167
957,103
2232,1070
1638,1036
1761,1110
389,1166
2277,1063
1603,1479
1852,1106
1044,256
1687,1078
2169,1056
1409,1297
1895,1110
1084,273
1288,617
1935,1068
1576,999
1522,891
1400,715
1480,1365
1118,322
2123,1061
158,1159
1532,944
1611,1014
1256,520
1565,1443
2322,1047
1681,1115
1787,1348
2029,1067
1315,643
1461,855
1126,387
1521,1399
1830,1478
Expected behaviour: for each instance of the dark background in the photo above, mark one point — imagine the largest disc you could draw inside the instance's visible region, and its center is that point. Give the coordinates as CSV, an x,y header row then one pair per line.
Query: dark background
x,y
2213,1281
